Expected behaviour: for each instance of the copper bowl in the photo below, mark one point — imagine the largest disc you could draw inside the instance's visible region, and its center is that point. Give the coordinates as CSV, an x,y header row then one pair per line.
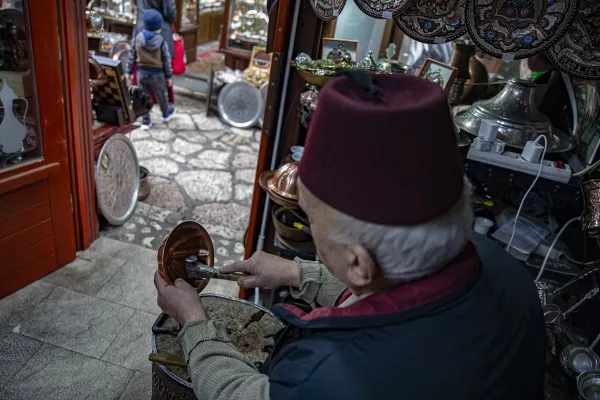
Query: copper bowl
x,y
187,238
285,180
282,201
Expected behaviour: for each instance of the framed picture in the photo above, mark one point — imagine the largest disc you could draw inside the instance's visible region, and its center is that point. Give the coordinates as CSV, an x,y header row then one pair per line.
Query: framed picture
x,y
332,44
438,72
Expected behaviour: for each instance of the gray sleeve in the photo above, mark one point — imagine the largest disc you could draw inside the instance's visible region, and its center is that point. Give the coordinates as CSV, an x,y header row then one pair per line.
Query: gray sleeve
x,y
169,11
166,58
131,58
317,286
217,369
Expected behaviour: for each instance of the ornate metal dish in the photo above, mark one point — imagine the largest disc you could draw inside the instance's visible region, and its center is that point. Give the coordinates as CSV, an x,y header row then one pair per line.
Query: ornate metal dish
x,y
382,8
578,359
240,104
327,9
117,179
433,22
515,111
577,52
519,28
588,385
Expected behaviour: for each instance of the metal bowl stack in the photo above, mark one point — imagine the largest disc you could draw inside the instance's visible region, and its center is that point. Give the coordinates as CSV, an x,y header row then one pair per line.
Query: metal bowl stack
x,y
520,121
281,185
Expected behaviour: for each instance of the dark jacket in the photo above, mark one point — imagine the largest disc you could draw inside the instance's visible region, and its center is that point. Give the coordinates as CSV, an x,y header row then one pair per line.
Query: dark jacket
x,y
149,51
473,331
169,12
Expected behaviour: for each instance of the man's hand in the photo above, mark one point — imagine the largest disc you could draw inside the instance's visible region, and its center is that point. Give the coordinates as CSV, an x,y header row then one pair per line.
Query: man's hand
x,y
170,82
180,301
129,77
267,271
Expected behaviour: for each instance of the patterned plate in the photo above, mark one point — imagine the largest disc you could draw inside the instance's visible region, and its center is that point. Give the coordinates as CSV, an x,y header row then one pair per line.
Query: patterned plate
x,y
383,9
518,29
433,21
240,104
327,9
578,51
117,179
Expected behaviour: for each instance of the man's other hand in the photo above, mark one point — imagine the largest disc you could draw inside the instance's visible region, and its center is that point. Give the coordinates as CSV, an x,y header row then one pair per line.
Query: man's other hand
x,y
180,301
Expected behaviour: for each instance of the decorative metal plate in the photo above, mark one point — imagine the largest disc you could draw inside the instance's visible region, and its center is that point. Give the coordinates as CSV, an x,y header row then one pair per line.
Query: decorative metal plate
x,y
264,88
577,52
383,9
117,179
516,29
433,21
240,104
327,9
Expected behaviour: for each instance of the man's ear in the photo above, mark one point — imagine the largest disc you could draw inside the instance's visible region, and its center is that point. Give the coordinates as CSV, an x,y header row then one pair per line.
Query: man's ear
x,y
362,268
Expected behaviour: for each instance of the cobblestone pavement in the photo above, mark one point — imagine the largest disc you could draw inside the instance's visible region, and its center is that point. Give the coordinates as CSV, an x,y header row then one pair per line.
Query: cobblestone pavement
x,y
200,169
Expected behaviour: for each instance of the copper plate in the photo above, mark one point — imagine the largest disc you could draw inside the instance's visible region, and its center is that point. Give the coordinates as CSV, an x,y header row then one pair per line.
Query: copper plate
x,y
519,28
282,201
327,9
187,238
377,8
433,22
577,52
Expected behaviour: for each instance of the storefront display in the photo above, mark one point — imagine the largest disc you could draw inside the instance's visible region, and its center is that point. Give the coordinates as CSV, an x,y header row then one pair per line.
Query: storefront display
x,y
437,22
518,29
249,24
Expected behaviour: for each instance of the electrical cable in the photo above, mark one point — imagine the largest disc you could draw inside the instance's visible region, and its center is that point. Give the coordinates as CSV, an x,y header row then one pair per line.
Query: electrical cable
x,y
588,169
553,244
529,190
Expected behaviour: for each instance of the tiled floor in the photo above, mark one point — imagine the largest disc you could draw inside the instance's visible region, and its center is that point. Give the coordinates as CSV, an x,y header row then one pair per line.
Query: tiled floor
x,y
201,170
84,331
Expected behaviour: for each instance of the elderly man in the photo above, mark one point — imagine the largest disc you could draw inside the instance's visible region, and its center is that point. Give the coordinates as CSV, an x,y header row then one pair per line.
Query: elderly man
x,y
406,306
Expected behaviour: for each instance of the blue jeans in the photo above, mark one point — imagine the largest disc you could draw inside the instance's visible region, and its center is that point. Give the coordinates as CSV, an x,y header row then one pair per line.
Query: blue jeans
x,y
157,84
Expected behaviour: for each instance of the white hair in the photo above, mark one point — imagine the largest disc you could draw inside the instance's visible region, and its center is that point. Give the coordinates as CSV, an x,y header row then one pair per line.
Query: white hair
x,y
407,253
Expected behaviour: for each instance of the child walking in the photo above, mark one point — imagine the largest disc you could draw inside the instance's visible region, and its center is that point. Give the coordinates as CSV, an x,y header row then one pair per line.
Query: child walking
x,y
154,72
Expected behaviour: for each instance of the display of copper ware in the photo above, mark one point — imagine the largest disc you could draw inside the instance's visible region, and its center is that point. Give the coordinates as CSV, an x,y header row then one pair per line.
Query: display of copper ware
x,y
281,185
576,360
588,385
472,74
186,239
591,216
515,111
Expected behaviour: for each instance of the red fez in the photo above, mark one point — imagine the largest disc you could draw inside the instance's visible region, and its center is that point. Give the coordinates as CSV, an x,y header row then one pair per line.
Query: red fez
x,y
391,160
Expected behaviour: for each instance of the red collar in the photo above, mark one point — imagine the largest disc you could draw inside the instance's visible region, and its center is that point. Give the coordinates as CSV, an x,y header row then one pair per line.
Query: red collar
x,y
405,296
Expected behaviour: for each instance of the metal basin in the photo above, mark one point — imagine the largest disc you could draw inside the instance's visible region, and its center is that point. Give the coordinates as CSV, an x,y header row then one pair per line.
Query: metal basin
x,y
514,109
588,385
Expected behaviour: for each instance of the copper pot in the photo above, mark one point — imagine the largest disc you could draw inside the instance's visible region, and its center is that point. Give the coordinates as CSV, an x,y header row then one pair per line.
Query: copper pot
x,y
285,181
472,76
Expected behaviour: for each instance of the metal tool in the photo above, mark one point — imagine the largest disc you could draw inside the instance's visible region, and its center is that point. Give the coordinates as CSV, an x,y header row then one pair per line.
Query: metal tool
x,y
578,359
196,270
584,274
167,359
552,313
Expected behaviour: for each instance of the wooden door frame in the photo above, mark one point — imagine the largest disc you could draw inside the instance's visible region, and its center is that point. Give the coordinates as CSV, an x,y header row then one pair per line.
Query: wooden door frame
x,y
309,30
79,121
45,38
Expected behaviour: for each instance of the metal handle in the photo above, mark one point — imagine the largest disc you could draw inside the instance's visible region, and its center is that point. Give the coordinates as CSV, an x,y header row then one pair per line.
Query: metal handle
x,y
587,296
595,342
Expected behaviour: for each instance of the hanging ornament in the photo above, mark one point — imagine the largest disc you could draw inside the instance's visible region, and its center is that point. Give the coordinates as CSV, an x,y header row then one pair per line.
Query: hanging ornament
x,y
327,9
577,52
433,21
383,9
517,29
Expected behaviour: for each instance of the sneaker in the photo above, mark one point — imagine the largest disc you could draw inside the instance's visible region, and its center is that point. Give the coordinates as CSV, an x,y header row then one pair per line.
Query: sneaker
x,y
146,123
169,115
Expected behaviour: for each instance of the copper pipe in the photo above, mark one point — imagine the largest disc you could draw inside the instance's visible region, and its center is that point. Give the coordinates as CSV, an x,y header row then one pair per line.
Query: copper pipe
x,y
167,359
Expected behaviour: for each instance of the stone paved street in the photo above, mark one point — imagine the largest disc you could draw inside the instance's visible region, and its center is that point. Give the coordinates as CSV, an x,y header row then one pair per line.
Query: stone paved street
x,y
201,170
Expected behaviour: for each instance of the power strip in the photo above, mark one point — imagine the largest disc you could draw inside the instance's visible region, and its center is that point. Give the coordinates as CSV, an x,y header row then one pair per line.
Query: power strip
x,y
513,161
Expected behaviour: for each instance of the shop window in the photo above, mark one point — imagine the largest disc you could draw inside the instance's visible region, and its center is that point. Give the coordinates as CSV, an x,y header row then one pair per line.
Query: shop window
x,y
20,138
249,24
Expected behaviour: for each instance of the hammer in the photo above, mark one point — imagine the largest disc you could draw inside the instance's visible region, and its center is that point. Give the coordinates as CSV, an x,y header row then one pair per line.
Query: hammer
x,y
195,270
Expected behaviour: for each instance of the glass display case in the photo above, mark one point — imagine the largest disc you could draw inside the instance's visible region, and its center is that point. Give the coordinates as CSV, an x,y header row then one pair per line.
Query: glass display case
x,y
210,17
189,13
248,24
